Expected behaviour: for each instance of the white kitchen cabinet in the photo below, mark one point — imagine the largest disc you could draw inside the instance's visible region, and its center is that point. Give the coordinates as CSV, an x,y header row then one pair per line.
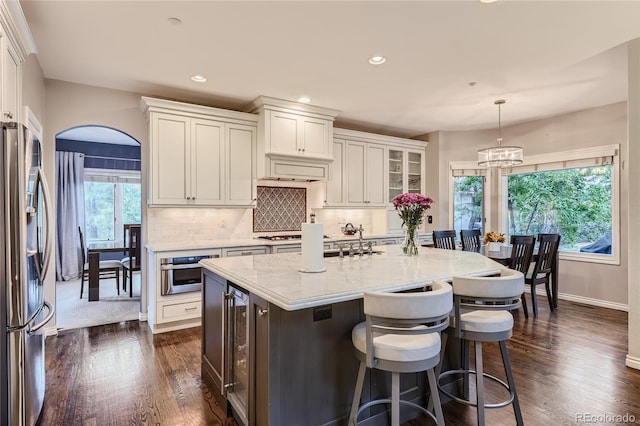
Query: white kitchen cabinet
x,y
406,171
294,139
335,185
365,174
10,81
293,134
200,156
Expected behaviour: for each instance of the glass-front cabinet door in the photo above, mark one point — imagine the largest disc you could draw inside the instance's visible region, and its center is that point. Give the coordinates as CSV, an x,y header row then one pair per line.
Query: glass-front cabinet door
x,y
396,173
405,172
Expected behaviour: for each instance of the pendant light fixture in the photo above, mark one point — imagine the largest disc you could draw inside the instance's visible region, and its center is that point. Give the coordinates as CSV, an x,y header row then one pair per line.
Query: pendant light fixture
x,y
500,156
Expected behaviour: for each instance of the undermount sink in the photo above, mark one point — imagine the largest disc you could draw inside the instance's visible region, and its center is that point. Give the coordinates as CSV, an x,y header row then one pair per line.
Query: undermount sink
x,y
345,253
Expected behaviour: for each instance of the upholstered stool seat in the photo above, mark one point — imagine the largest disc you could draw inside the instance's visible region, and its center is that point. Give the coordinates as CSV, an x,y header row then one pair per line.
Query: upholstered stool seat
x,y
481,314
401,334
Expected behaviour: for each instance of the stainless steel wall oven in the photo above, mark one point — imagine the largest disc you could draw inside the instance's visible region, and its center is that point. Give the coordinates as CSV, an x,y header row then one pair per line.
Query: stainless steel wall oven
x,y
181,274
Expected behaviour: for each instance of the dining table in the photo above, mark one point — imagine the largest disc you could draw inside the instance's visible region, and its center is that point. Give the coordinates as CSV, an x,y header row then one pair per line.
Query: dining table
x,y
503,256
95,249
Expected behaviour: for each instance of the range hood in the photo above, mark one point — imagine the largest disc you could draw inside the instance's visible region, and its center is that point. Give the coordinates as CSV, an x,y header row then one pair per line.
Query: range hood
x,y
295,141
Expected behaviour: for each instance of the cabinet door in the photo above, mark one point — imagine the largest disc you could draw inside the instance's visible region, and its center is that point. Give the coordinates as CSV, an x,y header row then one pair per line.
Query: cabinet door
x,y
355,173
283,132
170,135
11,64
376,193
240,164
206,173
335,195
315,137
396,172
259,354
415,171
213,299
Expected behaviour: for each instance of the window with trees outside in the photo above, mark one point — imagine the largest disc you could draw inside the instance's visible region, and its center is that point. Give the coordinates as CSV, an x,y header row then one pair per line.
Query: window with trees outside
x,y
112,199
576,198
468,202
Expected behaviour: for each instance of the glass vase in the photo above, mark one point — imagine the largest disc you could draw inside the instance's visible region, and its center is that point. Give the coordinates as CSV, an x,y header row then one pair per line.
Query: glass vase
x,y
410,244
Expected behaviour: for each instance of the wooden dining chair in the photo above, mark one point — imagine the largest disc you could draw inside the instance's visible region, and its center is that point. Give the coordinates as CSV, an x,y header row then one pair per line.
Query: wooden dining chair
x,y
541,273
522,247
445,239
470,239
131,263
108,268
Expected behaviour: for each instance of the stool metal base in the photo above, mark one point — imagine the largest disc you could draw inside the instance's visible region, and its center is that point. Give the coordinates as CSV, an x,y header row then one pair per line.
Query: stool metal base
x,y
390,401
471,403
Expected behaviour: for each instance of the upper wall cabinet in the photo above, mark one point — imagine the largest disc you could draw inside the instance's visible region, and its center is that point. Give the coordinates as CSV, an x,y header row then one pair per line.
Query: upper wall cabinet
x,y
200,156
370,169
294,140
16,44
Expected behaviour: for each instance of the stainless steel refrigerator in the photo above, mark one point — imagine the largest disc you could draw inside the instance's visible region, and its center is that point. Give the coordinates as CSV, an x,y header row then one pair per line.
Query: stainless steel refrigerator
x,y
25,250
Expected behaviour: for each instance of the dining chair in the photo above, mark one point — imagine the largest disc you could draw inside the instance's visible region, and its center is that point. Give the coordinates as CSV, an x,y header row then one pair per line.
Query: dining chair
x,y
131,263
522,247
445,239
470,239
108,268
541,272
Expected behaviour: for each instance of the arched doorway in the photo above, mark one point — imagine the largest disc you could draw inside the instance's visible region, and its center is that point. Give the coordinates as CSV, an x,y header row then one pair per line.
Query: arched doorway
x,y
98,195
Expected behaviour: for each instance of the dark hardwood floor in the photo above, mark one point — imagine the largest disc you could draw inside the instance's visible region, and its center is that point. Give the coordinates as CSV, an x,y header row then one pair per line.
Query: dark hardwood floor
x,y
567,364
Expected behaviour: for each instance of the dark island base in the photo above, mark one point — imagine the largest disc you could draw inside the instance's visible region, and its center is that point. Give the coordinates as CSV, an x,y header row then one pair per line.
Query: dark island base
x,y
303,369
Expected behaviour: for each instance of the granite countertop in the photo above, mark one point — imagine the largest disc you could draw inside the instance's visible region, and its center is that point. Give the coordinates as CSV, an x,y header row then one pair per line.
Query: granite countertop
x,y
276,278
247,242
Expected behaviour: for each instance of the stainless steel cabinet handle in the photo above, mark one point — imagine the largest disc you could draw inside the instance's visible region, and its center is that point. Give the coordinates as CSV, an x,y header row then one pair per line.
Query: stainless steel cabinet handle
x,y
263,312
193,308
246,253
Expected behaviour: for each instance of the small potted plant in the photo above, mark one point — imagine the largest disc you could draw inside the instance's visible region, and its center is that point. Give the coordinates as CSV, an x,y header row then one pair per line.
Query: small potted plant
x,y
493,240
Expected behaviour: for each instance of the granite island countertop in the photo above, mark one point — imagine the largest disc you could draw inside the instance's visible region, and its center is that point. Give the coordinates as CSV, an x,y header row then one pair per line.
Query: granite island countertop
x,y
277,279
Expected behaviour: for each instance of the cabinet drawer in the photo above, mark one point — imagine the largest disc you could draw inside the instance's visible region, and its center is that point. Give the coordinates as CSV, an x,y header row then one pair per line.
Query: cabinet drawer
x,y
244,251
177,311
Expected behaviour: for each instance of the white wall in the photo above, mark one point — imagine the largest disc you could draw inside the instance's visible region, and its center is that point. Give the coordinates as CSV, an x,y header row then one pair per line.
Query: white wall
x,y
599,126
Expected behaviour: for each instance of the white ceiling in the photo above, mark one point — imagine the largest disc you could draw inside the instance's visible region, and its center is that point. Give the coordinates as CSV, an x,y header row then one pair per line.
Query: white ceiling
x,y
543,57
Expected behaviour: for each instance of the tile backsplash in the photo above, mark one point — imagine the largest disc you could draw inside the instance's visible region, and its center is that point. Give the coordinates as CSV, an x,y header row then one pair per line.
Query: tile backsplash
x,y
183,224
280,209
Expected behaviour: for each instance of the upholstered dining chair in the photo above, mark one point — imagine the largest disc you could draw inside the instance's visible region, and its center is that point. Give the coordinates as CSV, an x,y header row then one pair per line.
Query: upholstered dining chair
x,y
470,239
108,268
445,239
541,272
131,263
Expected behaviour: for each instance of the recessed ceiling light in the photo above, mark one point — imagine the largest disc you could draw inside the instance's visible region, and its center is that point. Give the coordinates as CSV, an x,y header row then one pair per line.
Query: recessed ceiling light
x,y
488,1
304,99
377,60
174,21
198,78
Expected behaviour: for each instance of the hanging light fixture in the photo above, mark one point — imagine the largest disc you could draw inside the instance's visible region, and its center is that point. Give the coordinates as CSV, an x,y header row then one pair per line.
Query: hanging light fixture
x,y
500,156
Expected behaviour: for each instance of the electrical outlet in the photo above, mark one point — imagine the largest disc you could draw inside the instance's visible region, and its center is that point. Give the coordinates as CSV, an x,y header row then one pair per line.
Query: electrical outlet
x,y
429,219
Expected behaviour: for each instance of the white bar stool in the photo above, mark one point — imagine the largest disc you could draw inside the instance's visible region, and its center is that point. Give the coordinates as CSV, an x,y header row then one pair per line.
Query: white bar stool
x,y
401,334
481,306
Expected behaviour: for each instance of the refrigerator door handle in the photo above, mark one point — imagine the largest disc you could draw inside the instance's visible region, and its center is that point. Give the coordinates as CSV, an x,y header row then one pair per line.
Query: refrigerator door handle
x,y
47,229
33,329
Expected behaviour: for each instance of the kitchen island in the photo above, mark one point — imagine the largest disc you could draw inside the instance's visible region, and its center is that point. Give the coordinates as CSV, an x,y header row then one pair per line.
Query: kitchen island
x,y
277,342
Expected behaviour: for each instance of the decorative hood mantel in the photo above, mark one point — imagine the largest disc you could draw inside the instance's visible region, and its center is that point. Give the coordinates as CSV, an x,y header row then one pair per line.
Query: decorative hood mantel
x,y
294,140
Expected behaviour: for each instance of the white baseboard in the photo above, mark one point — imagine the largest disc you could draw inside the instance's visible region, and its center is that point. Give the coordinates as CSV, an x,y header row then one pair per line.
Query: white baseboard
x,y
632,362
541,292
50,331
143,317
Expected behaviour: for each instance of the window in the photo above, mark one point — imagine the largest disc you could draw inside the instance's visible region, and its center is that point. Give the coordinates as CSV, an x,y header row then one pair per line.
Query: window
x,y
112,198
575,197
468,195
468,198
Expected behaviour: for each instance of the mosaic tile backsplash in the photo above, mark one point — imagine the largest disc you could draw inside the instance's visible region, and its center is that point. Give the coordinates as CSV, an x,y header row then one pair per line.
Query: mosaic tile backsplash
x,y
280,209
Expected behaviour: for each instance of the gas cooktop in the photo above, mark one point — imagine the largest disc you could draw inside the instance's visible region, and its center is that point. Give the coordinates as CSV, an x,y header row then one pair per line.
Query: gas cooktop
x,y
283,237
